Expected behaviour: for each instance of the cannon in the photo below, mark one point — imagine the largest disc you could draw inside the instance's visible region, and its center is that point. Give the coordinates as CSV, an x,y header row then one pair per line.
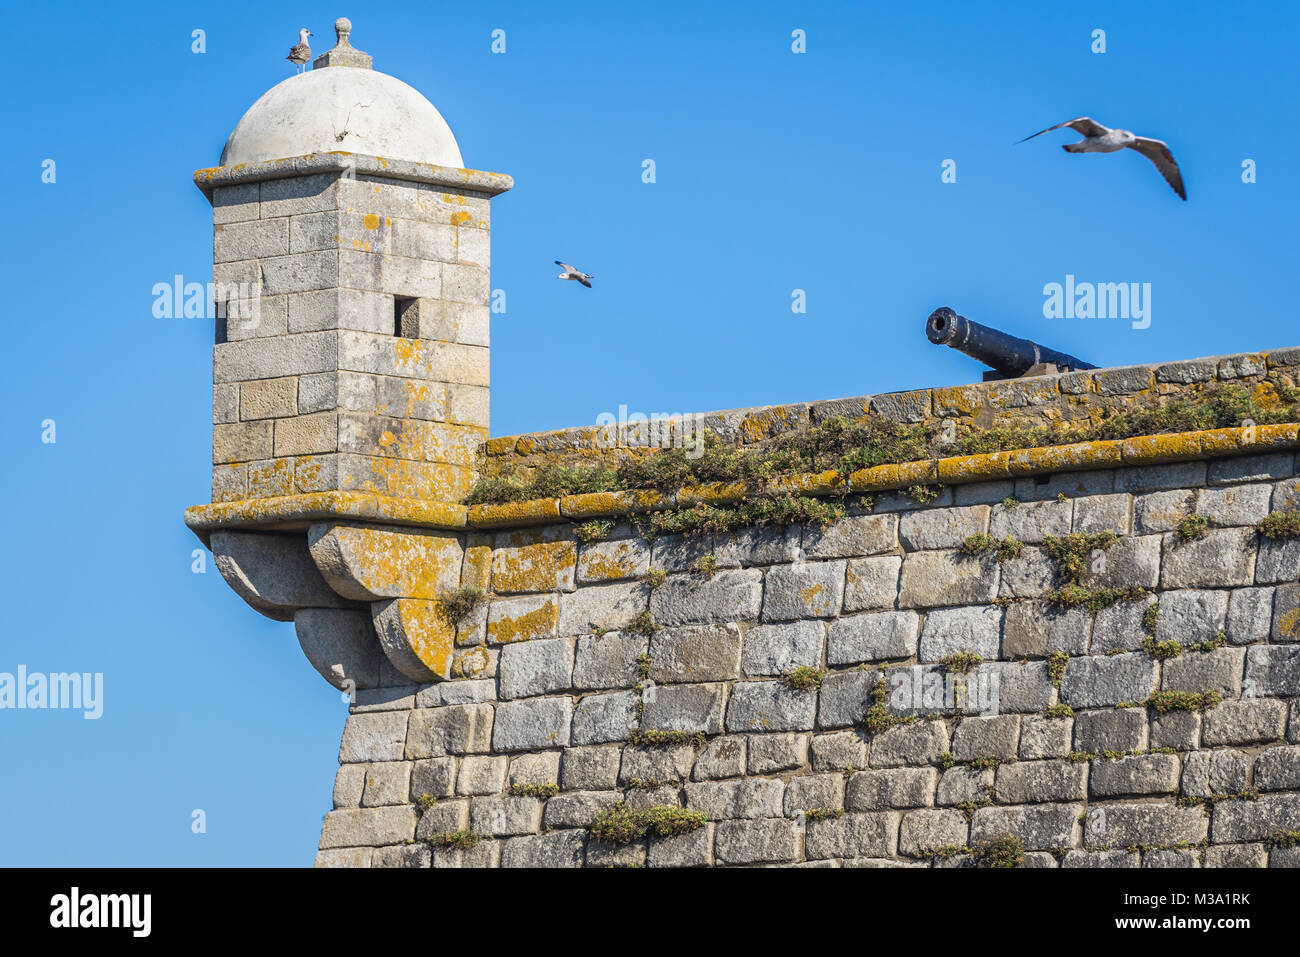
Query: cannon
x,y
1008,356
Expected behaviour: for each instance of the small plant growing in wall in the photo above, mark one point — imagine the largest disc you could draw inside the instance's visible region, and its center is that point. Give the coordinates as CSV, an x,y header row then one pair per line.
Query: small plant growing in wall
x,y
458,840
543,791
1010,502
643,624
656,577
1279,525
1060,711
1003,851
458,605
425,801
961,662
1004,549
707,564
923,494
1166,701
1056,663
1151,618
621,825
805,678
594,530
1192,527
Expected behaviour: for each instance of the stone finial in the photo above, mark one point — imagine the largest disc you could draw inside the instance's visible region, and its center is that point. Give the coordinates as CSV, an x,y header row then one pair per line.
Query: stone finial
x,y
343,54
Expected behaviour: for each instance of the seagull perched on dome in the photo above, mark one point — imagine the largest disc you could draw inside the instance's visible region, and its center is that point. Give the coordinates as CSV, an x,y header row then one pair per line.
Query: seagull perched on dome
x,y
1102,139
571,273
300,53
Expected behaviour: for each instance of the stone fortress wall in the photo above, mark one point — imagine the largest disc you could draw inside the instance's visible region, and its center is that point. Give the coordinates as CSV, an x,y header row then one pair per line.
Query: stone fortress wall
x,y
1077,655
565,689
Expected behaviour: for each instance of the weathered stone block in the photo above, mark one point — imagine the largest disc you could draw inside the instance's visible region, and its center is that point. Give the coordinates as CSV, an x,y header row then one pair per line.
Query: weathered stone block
x,y
851,537
770,706
376,736
781,648
1045,737
533,723
756,842
1107,680
908,745
362,827
690,708
1273,670
872,637
1032,522
695,653
529,668
731,595
1134,775
932,579
1207,773
458,729
722,757
986,737
948,631
1218,670
556,849
1041,827
1237,821
871,583
608,661
772,753
941,527
1122,730
1244,722
1034,630
852,835
927,830
598,718
721,800
1041,782
1224,556
891,788
803,590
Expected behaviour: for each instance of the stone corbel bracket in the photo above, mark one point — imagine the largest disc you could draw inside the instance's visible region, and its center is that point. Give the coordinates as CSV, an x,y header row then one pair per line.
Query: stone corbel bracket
x,y
365,600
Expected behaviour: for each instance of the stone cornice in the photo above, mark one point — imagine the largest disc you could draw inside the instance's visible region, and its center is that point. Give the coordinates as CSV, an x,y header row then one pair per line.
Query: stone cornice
x,y
489,184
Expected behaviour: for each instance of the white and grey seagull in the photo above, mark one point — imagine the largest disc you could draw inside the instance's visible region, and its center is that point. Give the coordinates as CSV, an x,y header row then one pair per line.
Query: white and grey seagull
x,y
571,273
1102,139
300,52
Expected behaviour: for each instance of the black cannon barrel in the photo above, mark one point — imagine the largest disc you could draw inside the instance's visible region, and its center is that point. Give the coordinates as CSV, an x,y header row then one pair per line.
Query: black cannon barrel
x,y
1007,355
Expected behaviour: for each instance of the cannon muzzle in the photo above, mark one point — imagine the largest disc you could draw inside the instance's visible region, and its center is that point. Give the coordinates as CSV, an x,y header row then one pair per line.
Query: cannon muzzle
x,y
1008,356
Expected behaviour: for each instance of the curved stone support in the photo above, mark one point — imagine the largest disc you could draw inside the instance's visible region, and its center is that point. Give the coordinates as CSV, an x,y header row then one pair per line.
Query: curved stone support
x,y
273,572
417,637
340,644
370,563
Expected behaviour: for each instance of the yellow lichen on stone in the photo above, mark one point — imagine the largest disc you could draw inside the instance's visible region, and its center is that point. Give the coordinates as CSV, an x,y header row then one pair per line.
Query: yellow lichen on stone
x,y
973,468
620,560
531,624
1159,449
543,566
711,493
533,512
1288,624
876,478
812,483
374,562
962,399
427,634
917,473
597,504
470,663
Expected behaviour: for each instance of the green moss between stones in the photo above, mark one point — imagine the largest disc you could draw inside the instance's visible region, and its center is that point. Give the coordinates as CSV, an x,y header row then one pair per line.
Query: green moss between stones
x,y
1191,528
1004,549
961,662
1002,851
460,604
1056,663
621,825
653,738
460,840
1283,839
847,445
1279,525
643,624
595,530
805,678
543,791
1060,711
1165,701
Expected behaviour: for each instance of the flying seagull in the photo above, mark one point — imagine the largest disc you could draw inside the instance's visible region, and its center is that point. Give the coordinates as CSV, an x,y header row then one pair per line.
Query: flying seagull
x,y
300,52
1101,139
571,273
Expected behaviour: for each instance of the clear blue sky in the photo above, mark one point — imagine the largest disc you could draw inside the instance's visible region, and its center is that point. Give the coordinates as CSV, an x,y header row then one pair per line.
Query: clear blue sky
x,y
775,172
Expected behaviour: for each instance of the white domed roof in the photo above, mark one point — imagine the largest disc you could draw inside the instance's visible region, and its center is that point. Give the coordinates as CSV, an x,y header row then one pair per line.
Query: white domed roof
x,y
345,108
